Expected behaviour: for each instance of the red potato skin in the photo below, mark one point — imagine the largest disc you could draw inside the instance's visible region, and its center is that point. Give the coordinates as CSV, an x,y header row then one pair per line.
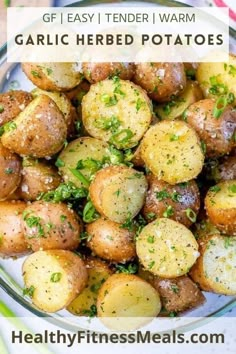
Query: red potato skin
x,y
10,176
178,294
61,226
13,102
37,178
95,72
216,133
38,137
227,169
160,80
12,242
188,197
110,241
223,219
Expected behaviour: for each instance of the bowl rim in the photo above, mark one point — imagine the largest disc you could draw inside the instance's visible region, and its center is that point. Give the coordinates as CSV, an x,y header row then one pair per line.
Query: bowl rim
x,y
57,319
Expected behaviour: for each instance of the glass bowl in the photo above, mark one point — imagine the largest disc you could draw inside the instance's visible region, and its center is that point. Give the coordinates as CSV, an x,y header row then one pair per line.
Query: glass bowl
x,y
11,77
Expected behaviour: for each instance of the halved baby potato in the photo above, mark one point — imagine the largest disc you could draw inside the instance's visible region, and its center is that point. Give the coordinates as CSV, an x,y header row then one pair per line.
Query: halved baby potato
x,y
160,80
37,177
217,132
217,78
116,111
118,192
10,172
172,152
12,241
176,107
167,248
51,226
63,103
110,241
54,278
39,131
126,295
53,76
215,268
180,202
89,152
98,272
12,103
95,72
220,205
177,294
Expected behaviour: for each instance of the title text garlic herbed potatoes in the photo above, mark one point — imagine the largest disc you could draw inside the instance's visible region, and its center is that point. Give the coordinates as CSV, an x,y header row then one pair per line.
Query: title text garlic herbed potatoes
x,y
118,186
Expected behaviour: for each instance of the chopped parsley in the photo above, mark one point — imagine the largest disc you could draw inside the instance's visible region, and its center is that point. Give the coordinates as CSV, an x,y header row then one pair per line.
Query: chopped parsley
x,y
55,277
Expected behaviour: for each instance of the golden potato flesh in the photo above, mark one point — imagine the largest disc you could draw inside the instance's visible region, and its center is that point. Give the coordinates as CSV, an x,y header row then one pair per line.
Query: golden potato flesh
x,y
53,76
118,192
118,112
220,204
172,151
54,278
167,248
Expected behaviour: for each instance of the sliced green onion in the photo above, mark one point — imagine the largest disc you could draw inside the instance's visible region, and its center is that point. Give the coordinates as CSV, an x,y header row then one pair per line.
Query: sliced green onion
x,y
117,138
191,215
80,176
89,213
219,107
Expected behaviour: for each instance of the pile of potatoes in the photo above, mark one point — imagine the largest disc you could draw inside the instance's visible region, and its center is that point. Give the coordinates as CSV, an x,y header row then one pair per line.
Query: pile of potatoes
x,y
118,184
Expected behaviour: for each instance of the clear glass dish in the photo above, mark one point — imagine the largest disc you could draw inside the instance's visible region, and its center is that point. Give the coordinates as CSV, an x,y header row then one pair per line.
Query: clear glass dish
x,y
11,282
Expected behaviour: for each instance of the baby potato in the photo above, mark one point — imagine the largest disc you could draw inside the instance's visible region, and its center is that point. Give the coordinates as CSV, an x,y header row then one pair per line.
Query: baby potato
x,y
220,203
37,177
12,103
111,241
12,241
116,111
98,272
118,192
225,170
53,76
63,103
137,159
176,107
38,131
10,172
51,226
217,78
180,202
177,294
166,248
160,80
172,152
216,132
54,278
86,151
76,94
126,295
204,228
95,72
214,270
